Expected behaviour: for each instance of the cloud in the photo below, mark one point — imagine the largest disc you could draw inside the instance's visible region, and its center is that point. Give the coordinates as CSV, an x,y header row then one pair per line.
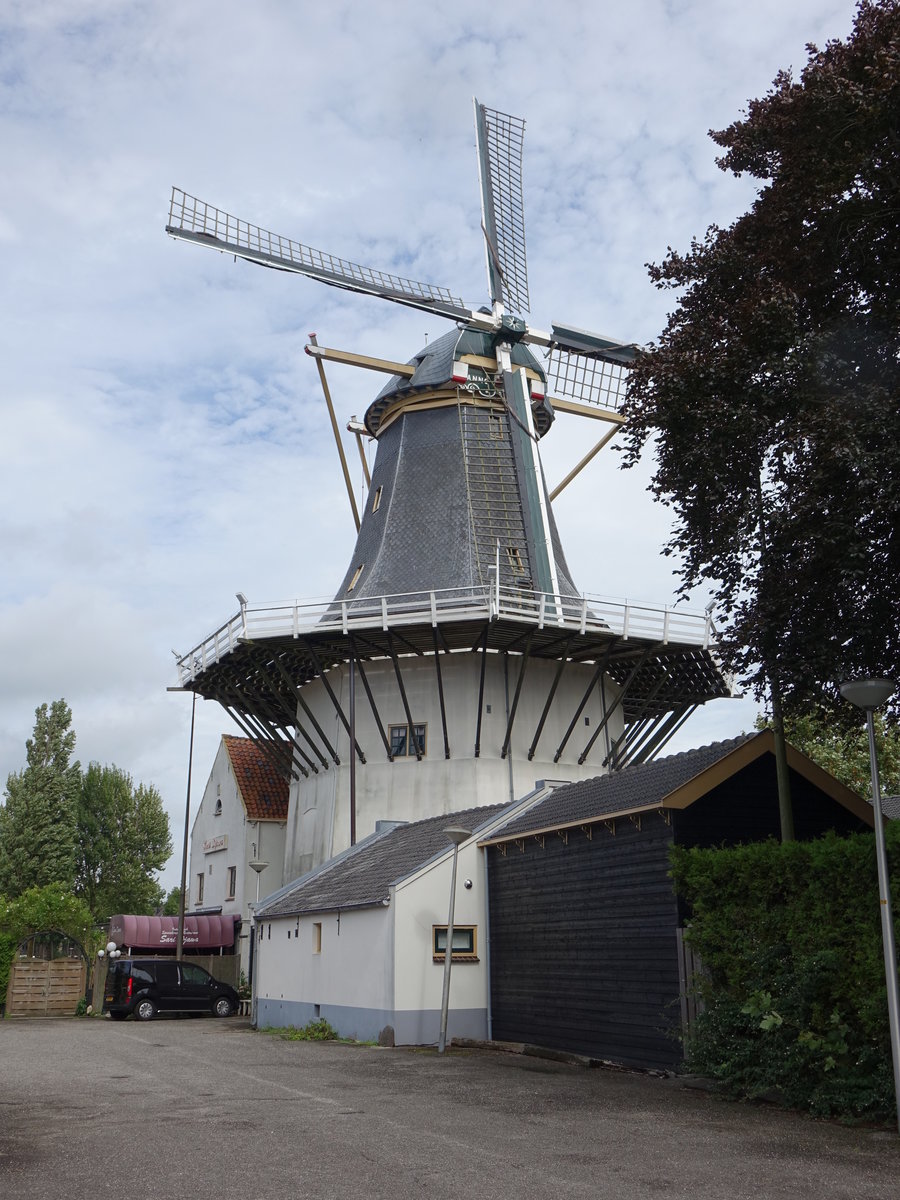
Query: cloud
x,y
164,437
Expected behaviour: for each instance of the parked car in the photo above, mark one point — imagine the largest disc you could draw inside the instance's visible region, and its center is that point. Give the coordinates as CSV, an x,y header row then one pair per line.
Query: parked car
x,y
145,986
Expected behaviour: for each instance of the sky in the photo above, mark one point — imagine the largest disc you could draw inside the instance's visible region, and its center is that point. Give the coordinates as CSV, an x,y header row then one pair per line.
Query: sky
x,y
165,442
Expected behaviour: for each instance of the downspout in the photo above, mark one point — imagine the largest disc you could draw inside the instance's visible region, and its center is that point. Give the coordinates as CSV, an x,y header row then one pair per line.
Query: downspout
x,y
509,756
489,1012
253,992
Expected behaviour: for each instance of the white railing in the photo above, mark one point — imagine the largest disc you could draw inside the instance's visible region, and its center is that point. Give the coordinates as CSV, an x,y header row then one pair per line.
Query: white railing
x,y
585,614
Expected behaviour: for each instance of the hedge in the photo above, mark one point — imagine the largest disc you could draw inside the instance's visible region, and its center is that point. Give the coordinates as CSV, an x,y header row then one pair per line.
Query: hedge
x,y
794,983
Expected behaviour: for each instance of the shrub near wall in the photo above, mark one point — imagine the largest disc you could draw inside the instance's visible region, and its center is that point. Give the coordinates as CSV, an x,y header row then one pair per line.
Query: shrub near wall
x,y
796,1003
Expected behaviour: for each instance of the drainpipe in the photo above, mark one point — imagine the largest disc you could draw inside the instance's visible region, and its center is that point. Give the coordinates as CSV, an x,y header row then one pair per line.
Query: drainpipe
x,y
487,948
509,755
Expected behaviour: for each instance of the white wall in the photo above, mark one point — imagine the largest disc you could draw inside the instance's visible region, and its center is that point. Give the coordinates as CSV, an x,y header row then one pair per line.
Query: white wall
x,y
420,903
349,982
318,820
229,837
376,971
223,836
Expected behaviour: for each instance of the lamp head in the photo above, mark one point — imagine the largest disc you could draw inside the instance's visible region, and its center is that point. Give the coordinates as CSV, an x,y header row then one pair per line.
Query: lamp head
x,y
868,693
457,835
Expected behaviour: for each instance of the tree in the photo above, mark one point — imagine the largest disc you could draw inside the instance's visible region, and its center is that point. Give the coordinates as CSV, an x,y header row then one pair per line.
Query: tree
x,y
844,751
123,840
37,822
771,398
172,906
39,909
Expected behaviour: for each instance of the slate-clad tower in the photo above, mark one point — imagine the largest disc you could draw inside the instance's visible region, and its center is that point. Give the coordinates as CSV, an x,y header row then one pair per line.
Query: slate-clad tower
x,y
457,475
457,663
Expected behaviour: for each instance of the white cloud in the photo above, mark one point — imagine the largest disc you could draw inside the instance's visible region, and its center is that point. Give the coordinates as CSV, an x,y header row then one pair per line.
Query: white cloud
x,y
164,437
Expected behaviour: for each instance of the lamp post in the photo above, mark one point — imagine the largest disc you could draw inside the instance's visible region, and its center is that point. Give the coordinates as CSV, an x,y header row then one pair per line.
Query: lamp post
x,y
870,694
258,866
457,836
179,940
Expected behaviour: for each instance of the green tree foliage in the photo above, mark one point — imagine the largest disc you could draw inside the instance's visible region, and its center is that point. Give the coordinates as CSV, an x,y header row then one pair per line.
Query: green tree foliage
x,y
771,398
37,820
39,909
123,840
790,940
172,905
843,751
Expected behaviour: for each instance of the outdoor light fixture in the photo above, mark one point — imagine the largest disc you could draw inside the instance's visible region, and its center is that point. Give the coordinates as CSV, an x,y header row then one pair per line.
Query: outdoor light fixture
x,y
258,866
111,951
870,694
457,836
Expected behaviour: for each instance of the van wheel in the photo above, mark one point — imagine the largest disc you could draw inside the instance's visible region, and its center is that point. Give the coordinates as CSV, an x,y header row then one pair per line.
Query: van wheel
x,y
145,1010
223,1007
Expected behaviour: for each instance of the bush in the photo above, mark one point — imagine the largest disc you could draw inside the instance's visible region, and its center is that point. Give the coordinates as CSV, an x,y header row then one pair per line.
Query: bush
x,y
790,940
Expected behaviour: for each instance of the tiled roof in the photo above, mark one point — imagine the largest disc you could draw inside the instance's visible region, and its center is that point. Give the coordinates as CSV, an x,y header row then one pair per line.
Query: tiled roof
x,y
263,790
632,787
362,876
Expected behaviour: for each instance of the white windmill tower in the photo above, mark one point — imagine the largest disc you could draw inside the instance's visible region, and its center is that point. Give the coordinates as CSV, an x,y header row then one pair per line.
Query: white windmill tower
x,y
457,657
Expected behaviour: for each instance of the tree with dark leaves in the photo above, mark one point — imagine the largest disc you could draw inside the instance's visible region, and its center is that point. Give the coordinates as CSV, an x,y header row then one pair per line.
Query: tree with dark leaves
x,y
772,398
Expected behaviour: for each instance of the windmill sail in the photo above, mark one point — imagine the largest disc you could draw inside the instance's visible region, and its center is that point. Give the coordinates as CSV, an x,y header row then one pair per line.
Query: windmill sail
x,y
500,138
194,220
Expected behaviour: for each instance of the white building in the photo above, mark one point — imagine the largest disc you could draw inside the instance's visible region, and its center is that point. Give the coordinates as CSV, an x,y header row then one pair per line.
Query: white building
x,y
241,820
359,941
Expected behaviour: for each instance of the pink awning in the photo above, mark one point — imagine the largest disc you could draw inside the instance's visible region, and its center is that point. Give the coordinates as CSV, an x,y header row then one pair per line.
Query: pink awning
x,y
161,933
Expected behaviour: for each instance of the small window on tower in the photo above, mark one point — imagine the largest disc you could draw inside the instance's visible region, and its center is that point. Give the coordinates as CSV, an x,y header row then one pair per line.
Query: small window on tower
x,y
356,574
376,500
495,425
515,560
408,741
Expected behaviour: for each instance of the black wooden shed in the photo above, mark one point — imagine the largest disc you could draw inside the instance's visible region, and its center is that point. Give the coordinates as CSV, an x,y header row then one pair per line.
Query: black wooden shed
x,y
585,928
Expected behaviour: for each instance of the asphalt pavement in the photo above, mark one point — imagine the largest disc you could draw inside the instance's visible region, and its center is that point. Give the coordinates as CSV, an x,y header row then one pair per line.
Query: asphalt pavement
x,y
186,1107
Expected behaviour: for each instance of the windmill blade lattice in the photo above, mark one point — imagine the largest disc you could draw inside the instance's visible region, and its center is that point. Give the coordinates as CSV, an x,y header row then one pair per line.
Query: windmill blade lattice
x,y
500,138
597,382
194,220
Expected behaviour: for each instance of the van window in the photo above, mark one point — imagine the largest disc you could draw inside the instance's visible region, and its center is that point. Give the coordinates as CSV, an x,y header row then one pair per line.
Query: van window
x,y
141,976
193,974
167,974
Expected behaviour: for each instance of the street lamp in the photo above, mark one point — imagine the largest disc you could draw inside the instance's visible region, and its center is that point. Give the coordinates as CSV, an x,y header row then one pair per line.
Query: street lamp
x,y
457,836
258,866
870,694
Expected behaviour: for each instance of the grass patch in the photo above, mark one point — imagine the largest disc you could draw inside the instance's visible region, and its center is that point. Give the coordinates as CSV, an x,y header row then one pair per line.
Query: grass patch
x,y
313,1031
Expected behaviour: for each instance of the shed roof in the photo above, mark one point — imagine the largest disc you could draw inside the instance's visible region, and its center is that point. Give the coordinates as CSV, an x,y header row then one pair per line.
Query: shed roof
x,y
263,790
675,781
362,876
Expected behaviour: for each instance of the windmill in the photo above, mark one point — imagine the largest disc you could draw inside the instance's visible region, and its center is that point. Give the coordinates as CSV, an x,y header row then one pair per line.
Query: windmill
x,y
483,665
